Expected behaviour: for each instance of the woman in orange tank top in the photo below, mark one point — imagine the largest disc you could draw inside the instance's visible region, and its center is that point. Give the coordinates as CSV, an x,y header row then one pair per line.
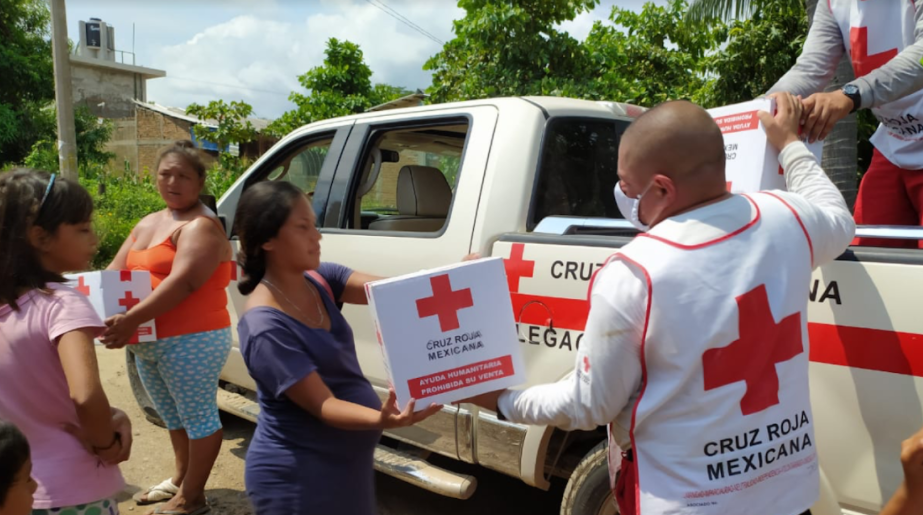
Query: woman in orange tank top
x,y
187,253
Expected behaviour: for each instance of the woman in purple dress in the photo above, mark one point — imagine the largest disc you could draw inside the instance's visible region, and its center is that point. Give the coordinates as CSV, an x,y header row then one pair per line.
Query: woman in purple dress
x,y
319,418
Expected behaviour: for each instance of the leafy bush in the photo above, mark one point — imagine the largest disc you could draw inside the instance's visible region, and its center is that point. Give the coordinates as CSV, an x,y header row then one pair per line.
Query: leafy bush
x,y
121,201
223,174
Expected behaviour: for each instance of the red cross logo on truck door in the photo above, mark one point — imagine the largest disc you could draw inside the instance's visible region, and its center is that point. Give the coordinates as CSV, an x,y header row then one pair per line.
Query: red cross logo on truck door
x,y
863,63
753,357
444,303
517,267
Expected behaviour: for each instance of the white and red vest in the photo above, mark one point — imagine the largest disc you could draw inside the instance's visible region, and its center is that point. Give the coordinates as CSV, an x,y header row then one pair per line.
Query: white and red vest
x,y
723,423
873,33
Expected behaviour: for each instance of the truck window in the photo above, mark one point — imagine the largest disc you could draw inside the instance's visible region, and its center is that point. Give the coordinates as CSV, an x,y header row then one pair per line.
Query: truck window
x,y
577,169
302,167
408,177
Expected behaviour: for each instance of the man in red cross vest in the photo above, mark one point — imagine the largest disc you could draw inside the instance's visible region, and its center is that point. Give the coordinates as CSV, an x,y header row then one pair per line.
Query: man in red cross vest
x,y
884,40
695,352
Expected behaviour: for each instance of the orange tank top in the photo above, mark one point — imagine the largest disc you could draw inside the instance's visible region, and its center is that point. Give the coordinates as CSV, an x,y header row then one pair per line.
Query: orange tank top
x,y
203,310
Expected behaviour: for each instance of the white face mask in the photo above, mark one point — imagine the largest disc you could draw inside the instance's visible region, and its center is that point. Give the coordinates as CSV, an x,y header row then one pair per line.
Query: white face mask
x,y
630,206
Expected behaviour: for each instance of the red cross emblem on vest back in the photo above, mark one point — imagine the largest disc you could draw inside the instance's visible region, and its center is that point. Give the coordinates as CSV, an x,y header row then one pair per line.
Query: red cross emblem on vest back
x,y
445,303
863,63
752,358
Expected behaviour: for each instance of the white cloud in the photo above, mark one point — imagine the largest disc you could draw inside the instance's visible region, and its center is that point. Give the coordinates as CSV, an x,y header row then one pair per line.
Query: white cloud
x,y
237,51
260,58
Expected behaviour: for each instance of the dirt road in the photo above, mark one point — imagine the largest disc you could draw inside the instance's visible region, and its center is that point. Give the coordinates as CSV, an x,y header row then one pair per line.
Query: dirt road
x,y
152,462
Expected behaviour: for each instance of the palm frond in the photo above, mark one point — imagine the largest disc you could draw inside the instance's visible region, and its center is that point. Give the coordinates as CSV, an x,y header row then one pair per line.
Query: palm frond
x,y
725,10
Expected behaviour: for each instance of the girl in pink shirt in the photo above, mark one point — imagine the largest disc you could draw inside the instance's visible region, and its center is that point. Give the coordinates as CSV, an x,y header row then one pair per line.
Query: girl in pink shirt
x,y
49,380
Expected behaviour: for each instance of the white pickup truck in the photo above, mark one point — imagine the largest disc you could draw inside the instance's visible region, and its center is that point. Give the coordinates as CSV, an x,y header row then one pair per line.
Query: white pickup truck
x,y
531,180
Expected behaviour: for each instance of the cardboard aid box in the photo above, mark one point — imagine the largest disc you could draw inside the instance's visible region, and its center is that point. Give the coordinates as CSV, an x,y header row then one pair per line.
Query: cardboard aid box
x,y
752,162
114,292
447,334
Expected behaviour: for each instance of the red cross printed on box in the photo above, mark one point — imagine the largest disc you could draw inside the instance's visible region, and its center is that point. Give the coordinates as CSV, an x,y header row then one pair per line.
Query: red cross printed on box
x,y
863,63
752,358
129,301
517,267
82,286
444,303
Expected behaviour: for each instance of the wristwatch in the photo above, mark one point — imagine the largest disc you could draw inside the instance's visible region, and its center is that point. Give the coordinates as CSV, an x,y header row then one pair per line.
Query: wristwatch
x,y
852,92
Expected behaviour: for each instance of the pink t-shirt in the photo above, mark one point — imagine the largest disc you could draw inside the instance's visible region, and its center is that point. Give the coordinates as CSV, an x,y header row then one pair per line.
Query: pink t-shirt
x,y
34,396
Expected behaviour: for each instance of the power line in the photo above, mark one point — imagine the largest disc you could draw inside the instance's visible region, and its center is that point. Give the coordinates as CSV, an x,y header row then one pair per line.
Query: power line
x,y
232,86
403,19
407,20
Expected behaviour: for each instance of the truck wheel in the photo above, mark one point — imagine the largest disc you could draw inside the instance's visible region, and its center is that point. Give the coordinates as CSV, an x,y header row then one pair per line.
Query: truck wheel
x,y
588,491
141,396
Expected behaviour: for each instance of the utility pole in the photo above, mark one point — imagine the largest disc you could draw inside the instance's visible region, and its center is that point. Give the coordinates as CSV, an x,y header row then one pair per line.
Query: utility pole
x,y
64,102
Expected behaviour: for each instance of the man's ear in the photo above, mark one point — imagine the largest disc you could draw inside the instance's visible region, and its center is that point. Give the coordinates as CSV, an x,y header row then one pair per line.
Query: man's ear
x,y
666,185
269,246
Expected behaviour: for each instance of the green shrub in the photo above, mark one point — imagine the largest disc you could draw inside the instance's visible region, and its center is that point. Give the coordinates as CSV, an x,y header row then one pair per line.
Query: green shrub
x,y
121,202
224,173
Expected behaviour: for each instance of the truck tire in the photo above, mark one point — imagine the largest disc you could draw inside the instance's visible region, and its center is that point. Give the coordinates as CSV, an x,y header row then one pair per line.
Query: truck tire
x,y
587,491
141,396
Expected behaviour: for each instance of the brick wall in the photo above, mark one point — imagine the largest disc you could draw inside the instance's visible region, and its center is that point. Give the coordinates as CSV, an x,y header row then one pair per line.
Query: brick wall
x,y
156,131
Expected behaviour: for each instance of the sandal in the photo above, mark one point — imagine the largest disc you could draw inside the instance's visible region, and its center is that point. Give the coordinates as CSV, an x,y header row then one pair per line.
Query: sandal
x,y
199,511
158,493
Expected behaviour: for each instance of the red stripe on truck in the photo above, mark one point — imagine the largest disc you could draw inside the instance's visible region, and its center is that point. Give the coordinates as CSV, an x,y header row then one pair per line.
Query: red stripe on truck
x,y
857,347
869,349
561,312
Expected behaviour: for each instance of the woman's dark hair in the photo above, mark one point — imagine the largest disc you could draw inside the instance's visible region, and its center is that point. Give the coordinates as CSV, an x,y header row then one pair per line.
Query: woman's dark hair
x,y
261,212
21,208
14,451
185,150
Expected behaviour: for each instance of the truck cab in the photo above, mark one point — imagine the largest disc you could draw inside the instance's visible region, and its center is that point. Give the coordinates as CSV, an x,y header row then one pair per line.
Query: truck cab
x,y
531,180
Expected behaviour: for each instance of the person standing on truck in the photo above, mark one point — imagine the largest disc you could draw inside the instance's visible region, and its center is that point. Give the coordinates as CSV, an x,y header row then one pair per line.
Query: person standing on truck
x,y
320,419
187,252
885,43
695,350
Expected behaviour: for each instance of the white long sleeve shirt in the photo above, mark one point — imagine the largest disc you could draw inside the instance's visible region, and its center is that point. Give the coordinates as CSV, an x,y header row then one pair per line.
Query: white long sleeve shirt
x,y
613,333
823,49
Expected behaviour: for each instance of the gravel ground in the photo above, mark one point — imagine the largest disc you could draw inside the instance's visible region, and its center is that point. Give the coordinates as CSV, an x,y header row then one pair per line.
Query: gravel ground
x,y
152,462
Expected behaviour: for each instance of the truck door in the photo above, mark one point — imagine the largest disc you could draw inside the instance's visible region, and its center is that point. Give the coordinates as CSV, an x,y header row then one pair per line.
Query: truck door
x,y
307,160
403,199
866,338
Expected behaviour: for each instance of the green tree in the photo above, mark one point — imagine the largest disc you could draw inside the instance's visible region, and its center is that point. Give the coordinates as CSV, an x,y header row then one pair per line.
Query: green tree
x,y
650,56
231,122
230,126
26,76
759,50
339,87
92,136
382,93
511,47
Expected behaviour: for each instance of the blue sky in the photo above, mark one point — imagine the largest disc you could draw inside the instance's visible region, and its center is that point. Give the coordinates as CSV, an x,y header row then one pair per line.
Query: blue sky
x,y
253,50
